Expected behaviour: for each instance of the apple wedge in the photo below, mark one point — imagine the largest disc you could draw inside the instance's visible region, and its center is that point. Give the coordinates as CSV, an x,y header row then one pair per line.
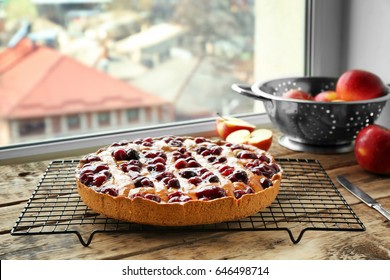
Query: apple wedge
x,y
260,138
227,125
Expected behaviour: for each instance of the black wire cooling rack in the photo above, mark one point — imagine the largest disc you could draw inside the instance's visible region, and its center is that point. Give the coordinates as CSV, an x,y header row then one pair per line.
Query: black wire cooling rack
x,y
308,200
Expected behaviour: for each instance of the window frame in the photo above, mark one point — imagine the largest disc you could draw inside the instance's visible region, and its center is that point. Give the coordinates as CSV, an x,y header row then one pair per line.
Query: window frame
x,y
74,146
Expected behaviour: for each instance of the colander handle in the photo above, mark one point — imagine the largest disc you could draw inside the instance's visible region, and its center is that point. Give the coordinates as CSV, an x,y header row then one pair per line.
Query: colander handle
x,y
246,90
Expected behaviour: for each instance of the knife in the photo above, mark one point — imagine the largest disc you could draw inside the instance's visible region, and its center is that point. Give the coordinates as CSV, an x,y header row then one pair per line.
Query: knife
x,y
363,196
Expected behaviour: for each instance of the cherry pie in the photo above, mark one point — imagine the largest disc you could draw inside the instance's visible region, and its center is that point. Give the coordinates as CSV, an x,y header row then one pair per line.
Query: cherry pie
x,y
178,181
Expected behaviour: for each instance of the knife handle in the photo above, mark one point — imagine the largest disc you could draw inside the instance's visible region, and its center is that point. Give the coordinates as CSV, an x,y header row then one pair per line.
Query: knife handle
x,y
382,210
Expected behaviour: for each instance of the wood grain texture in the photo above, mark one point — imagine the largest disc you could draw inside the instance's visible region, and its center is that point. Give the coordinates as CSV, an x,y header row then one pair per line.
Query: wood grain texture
x,y
17,182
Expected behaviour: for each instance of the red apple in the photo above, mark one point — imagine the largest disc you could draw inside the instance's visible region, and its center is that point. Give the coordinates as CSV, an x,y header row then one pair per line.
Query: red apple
x,y
297,94
372,149
227,125
260,138
327,96
359,85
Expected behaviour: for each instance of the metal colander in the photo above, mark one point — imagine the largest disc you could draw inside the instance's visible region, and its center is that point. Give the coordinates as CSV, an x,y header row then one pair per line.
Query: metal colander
x,y
326,124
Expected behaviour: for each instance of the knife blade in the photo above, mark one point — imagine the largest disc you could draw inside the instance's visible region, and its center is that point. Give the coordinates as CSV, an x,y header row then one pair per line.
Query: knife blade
x,y
363,196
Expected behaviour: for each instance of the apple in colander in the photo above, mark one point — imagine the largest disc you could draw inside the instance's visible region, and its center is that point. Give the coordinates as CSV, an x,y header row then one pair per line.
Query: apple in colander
x,y
372,149
356,85
297,94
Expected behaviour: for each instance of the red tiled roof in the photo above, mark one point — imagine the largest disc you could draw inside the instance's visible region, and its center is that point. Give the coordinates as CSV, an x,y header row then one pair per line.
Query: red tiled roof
x,y
37,81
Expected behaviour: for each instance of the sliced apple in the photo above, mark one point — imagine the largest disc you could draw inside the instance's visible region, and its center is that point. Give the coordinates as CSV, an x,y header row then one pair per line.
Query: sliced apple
x,y
239,136
260,138
227,125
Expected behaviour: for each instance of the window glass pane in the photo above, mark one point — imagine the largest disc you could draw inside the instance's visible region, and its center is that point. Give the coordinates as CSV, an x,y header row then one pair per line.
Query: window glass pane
x,y
31,127
103,118
77,67
73,122
132,115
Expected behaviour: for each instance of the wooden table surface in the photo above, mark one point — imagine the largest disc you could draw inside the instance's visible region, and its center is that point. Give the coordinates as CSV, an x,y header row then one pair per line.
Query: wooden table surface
x,y
17,182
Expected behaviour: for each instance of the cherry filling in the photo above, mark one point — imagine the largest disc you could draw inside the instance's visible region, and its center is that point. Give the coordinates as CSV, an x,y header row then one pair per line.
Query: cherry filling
x,y
182,162
168,179
211,193
265,183
174,141
142,181
149,196
246,155
122,154
239,193
92,158
158,167
153,197
120,143
94,175
99,179
264,169
199,140
215,160
133,165
226,170
110,191
187,174
195,180
178,197
238,176
181,153
173,183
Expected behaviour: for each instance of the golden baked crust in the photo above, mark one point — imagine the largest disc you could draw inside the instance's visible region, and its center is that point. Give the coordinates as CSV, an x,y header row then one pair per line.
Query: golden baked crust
x,y
178,181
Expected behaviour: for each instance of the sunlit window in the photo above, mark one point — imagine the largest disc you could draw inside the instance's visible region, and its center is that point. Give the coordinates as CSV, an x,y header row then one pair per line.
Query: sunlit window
x,y
80,67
